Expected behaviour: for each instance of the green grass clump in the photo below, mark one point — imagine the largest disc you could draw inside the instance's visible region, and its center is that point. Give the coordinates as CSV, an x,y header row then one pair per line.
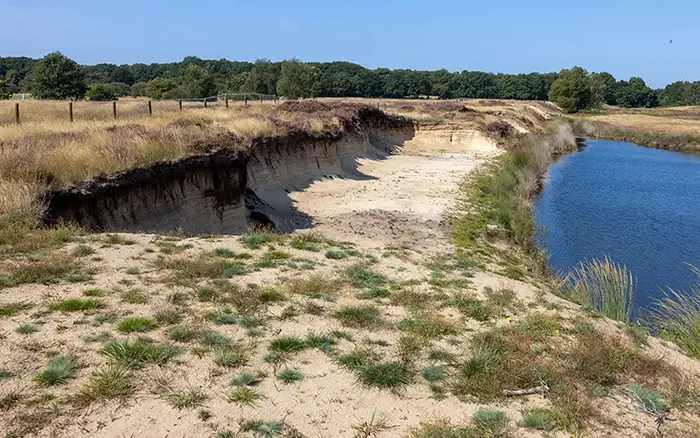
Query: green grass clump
x,y
263,429
12,309
289,375
83,251
490,423
26,328
677,318
308,241
134,324
233,269
77,305
168,316
224,252
210,338
258,239
434,373
93,293
288,344
276,254
603,285
428,325
648,399
133,354
245,379
181,333
358,316
362,277
324,343
389,375
336,254
538,419
207,294
133,271
356,359
59,370
228,357
42,272
473,307
244,396
189,398
111,383
135,296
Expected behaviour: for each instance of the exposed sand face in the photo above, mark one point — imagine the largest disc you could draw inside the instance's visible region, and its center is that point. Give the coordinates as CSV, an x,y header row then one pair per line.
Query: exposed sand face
x,y
402,200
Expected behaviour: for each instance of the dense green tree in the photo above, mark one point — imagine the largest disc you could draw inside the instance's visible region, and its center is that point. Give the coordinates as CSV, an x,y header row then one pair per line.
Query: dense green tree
x,y
123,75
635,94
118,89
158,86
139,89
99,92
474,84
4,89
572,90
298,80
58,77
263,77
198,82
604,88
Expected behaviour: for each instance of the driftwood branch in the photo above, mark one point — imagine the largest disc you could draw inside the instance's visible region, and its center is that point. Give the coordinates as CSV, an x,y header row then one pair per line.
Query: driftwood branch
x,y
528,391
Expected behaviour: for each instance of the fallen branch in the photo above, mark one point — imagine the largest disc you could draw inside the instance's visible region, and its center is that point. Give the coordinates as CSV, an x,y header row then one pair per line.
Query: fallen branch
x,y
528,391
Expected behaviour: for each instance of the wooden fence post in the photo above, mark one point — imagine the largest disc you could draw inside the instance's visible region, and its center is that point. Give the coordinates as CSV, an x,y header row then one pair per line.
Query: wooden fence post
x,y
205,102
150,108
245,100
226,99
180,102
17,113
70,111
114,109
261,98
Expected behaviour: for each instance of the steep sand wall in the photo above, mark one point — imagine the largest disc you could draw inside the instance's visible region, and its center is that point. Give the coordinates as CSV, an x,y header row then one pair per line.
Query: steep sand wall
x,y
202,194
224,192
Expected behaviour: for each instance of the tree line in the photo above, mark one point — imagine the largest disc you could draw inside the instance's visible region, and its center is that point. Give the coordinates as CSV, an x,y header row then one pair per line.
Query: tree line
x,y
58,77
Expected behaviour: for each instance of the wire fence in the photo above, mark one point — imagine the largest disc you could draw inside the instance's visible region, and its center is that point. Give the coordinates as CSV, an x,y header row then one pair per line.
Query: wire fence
x,y
41,111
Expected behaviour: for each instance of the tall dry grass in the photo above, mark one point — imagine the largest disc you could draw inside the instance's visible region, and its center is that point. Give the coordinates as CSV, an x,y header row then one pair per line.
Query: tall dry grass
x,y
47,151
604,285
677,317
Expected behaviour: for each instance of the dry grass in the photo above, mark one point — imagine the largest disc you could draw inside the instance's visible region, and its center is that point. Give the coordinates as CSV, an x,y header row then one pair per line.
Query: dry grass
x,y
47,151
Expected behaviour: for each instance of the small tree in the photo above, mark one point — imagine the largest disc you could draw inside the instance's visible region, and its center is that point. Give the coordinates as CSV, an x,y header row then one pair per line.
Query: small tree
x,y
572,90
4,90
99,92
58,77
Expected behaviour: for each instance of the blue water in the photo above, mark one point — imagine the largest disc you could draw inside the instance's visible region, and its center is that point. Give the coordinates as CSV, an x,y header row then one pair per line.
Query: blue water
x,y
640,206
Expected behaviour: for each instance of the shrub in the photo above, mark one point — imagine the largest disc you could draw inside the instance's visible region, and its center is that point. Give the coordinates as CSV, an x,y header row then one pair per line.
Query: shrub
x,y
100,93
648,399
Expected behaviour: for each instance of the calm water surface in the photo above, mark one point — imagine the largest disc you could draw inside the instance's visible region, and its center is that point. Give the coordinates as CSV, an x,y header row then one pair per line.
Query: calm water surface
x,y
640,206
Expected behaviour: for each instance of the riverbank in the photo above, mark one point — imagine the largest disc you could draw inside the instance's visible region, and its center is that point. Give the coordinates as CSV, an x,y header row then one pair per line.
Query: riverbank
x,y
373,322
676,129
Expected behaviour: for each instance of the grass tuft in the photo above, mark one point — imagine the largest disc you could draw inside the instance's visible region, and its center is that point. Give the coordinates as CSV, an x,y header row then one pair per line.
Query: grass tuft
x,y
134,324
358,316
538,419
391,375
490,423
289,375
648,399
26,328
133,354
603,285
111,383
677,318
59,370
77,305
244,396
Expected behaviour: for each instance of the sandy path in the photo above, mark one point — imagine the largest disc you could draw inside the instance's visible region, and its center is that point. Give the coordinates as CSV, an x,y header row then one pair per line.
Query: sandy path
x,y
403,200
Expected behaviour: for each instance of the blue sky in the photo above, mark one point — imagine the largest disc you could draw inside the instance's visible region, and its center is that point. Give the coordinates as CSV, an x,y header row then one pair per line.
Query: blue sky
x,y
622,37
